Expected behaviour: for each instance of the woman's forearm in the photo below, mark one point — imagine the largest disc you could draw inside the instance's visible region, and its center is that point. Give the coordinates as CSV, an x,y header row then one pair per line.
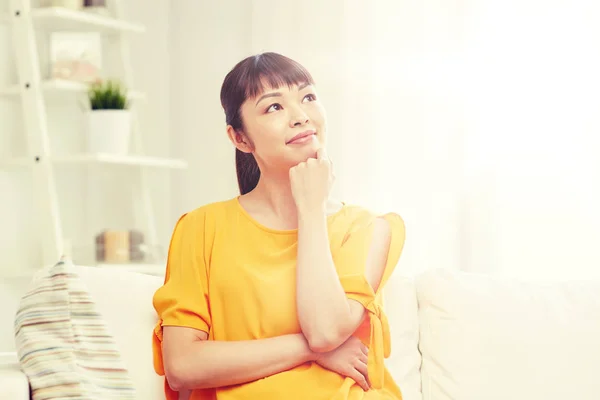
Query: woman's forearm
x,y
324,311
202,364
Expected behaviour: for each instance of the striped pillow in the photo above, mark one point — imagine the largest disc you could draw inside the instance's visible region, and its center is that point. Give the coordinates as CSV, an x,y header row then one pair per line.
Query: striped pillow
x,y
63,345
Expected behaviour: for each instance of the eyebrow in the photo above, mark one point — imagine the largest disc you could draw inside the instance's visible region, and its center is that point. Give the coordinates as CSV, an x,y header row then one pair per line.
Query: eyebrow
x,y
278,94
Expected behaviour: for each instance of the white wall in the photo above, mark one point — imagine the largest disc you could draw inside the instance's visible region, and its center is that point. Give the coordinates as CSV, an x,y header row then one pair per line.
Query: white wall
x,y
532,168
109,201
206,42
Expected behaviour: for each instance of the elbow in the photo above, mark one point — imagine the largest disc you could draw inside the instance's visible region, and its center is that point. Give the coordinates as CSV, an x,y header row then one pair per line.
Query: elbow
x,y
324,342
176,378
328,335
175,382
179,378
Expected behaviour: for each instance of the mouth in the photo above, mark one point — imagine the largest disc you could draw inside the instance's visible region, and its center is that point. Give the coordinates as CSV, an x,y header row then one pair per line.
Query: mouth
x,y
302,137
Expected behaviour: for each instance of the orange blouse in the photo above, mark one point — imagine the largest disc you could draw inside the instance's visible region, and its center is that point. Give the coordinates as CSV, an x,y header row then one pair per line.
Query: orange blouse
x,y
234,278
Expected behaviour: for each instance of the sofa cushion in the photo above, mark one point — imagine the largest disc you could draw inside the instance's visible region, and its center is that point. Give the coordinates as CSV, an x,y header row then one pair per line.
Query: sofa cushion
x,y
495,338
400,304
13,382
62,343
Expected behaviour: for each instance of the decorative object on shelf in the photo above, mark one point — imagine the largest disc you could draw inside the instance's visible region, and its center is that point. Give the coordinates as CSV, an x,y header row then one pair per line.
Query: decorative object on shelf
x,y
75,56
120,246
109,121
96,6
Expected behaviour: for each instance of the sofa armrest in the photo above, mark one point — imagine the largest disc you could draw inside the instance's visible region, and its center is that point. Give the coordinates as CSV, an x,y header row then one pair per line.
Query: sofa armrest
x,y
13,382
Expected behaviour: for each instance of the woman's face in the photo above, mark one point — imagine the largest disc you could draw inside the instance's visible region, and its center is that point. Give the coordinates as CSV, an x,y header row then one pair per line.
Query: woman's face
x,y
285,126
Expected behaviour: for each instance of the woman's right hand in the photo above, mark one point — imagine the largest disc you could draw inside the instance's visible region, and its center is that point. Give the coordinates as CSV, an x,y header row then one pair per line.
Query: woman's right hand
x,y
350,360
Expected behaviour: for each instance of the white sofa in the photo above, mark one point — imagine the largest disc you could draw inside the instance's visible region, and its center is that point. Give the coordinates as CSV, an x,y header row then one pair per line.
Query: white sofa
x,y
454,336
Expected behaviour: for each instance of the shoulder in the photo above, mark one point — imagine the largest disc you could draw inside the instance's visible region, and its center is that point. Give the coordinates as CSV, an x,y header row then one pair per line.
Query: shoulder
x,y
213,208
197,229
210,210
357,218
205,216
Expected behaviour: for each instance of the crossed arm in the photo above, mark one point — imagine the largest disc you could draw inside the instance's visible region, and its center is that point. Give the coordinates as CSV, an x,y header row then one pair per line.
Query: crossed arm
x,y
193,362
327,318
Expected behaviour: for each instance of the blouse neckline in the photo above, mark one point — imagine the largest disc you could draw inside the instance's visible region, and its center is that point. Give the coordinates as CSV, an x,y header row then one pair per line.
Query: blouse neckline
x,y
265,228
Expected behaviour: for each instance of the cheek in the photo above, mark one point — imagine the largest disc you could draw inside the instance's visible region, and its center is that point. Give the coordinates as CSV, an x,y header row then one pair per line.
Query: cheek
x,y
275,128
269,136
317,115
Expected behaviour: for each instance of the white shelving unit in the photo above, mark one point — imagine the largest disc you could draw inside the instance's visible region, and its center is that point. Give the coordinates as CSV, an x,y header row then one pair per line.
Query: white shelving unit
x,y
61,86
32,91
99,158
62,19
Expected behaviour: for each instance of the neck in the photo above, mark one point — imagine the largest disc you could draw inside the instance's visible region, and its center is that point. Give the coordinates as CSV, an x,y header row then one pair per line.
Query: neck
x,y
276,193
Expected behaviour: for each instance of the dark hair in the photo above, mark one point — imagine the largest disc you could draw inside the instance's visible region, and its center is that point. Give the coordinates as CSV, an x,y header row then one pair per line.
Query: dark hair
x,y
246,80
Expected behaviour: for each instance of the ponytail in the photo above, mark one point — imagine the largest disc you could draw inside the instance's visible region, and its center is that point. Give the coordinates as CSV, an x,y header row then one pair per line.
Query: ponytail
x,y
247,171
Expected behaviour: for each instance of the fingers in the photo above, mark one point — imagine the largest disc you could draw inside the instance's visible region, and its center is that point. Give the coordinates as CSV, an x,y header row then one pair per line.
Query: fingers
x,y
359,379
363,358
363,369
364,349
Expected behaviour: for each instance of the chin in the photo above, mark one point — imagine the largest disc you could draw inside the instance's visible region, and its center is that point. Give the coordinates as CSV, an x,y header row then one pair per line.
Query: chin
x,y
305,154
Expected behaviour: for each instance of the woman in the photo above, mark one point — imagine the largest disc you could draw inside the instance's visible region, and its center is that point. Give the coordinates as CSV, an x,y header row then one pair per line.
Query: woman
x,y
275,294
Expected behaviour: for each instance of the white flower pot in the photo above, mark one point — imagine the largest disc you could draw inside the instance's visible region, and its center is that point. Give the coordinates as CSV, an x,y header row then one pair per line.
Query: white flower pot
x,y
109,131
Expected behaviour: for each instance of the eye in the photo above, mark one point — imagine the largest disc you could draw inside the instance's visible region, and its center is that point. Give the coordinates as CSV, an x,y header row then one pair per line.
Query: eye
x,y
310,97
274,107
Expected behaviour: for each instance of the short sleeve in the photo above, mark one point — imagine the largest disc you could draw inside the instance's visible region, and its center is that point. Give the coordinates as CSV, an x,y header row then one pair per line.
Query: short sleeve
x,y
351,258
351,262
183,298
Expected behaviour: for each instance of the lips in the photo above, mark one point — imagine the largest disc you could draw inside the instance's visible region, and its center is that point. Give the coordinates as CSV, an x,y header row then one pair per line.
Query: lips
x,y
301,136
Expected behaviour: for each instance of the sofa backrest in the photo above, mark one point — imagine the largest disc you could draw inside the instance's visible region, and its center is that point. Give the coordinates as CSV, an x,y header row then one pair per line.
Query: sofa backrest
x,y
494,338
400,304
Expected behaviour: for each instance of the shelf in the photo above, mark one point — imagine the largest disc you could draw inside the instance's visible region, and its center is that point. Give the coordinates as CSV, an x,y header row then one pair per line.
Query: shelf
x,y
59,19
130,160
134,160
62,86
147,269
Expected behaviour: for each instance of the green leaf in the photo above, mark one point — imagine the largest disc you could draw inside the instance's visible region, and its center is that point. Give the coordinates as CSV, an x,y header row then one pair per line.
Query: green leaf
x,y
108,95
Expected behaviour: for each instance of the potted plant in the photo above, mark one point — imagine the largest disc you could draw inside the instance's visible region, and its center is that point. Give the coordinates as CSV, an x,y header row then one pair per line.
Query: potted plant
x,y
109,120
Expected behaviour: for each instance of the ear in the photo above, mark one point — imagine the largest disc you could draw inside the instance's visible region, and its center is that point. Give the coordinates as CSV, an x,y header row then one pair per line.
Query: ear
x,y
239,139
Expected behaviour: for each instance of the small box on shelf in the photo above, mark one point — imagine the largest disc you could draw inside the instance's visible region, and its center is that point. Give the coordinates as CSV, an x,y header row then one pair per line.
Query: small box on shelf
x,y
120,246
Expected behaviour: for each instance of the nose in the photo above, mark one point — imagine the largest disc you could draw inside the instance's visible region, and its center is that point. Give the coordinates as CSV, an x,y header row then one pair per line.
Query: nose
x,y
299,118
